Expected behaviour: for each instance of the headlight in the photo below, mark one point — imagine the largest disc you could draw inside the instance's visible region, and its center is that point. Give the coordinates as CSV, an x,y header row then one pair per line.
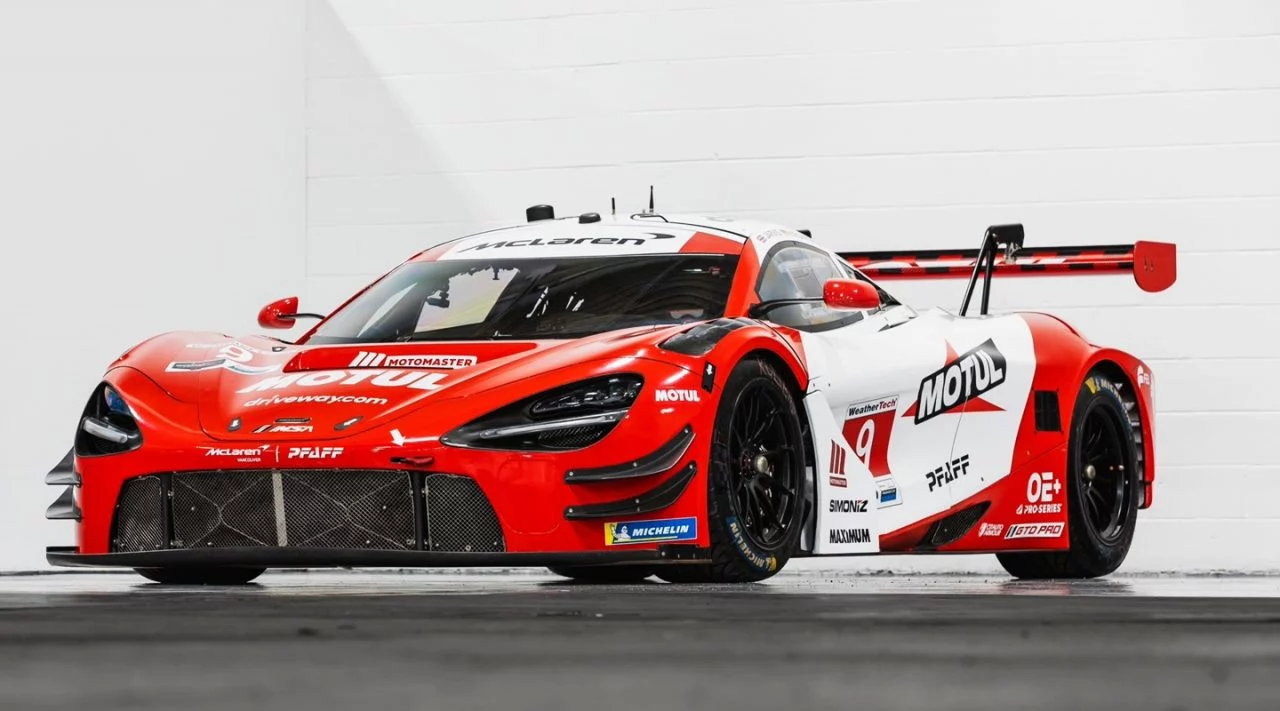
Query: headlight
x,y
571,417
107,425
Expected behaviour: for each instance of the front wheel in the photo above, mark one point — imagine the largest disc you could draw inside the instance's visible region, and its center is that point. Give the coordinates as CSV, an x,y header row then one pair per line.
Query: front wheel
x,y
755,481
200,576
1102,491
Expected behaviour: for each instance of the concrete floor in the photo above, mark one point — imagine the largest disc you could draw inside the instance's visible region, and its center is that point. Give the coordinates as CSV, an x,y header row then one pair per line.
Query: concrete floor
x,y
522,641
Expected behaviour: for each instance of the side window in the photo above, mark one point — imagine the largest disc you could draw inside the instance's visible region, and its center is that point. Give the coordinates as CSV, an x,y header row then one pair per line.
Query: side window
x,y
885,297
799,273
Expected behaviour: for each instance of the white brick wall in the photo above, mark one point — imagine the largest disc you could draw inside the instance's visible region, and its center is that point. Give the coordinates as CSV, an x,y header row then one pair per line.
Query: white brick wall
x,y
877,124
152,163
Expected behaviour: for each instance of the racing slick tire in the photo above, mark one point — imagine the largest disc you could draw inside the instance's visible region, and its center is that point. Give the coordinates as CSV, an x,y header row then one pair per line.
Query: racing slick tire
x,y
755,481
200,576
602,574
1102,490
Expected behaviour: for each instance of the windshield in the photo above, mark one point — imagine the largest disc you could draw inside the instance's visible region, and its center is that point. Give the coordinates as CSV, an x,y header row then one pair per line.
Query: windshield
x,y
532,298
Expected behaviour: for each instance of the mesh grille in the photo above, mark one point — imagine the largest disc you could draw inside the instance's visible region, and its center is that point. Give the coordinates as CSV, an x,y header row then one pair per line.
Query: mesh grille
x,y
307,508
140,516
336,509
953,527
573,437
459,517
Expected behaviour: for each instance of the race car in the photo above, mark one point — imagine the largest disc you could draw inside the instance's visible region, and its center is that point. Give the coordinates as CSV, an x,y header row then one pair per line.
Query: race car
x,y
696,398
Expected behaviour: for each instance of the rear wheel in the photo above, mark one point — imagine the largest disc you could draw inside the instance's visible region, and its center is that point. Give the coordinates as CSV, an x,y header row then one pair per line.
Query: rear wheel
x,y
603,574
200,576
1102,491
755,481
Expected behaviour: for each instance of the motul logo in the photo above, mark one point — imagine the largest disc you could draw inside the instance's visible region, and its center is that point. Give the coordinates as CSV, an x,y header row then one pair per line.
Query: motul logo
x,y
960,381
837,459
365,359
415,380
675,395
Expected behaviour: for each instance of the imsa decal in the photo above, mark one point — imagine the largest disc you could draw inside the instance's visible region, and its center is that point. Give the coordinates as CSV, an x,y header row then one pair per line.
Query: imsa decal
x,y
965,378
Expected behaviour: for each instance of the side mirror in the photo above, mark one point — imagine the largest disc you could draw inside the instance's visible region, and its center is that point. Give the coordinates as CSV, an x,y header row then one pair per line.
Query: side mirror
x,y
850,294
282,313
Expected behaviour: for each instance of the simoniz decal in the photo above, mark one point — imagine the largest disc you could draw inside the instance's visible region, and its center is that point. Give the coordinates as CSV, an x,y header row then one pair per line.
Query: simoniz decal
x,y
965,377
366,359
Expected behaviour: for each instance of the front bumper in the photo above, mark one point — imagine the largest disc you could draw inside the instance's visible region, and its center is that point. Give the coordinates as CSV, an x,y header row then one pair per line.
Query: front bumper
x,y
358,558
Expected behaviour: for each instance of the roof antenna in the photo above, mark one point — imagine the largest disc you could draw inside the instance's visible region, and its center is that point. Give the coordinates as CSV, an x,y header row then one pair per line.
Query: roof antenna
x,y
650,199
613,206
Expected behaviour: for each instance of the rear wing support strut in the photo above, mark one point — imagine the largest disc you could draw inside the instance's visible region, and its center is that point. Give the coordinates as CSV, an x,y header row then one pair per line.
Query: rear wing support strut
x,y
1152,264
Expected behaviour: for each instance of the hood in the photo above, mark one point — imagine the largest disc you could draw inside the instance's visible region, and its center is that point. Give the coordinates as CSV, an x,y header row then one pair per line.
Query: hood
x,y
258,388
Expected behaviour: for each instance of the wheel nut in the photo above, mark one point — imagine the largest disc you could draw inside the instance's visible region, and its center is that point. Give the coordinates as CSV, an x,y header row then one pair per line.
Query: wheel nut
x,y
1090,472
761,464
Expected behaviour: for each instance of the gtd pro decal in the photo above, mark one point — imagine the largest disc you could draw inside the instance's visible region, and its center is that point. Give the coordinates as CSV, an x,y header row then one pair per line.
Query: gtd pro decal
x,y
964,378
415,380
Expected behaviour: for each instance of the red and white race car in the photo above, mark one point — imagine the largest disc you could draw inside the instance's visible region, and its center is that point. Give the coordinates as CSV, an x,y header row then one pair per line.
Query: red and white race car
x,y
700,399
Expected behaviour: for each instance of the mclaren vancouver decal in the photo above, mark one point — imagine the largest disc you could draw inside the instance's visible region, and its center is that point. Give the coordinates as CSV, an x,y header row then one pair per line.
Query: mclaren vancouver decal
x,y
663,530
365,359
963,379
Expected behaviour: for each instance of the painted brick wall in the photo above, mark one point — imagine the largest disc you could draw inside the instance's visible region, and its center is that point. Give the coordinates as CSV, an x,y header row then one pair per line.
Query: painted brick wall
x,y
152,178
877,124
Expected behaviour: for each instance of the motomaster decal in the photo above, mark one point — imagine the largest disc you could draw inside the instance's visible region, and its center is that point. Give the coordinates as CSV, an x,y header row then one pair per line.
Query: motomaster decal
x,y
676,395
1034,530
668,529
1042,489
868,427
849,535
835,465
366,359
963,379
413,379
948,472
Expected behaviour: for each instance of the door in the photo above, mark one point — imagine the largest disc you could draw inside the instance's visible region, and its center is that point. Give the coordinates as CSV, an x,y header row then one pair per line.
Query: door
x,y
865,371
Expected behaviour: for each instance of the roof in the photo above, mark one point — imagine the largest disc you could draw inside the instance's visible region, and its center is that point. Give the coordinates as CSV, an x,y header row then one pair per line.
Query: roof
x,y
608,235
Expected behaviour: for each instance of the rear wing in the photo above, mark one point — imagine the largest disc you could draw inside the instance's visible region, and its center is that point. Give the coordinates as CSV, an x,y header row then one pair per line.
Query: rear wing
x,y
1153,264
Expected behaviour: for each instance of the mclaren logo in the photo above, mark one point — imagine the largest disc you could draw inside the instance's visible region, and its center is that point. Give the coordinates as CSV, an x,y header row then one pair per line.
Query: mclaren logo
x,y
556,241
963,378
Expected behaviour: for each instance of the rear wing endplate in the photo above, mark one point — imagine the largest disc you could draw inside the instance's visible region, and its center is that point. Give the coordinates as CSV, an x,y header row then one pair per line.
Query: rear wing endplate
x,y
1152,264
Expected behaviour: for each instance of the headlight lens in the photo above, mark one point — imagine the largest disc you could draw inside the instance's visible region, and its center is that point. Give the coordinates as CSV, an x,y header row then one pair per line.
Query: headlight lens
x,y
107,426
571,417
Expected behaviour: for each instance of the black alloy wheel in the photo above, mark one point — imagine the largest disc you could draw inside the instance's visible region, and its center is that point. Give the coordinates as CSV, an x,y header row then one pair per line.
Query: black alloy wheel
x,y
755,481
1102,489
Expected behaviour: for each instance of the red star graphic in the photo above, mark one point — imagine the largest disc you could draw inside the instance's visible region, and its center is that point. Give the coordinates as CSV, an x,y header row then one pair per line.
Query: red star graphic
x,y
977,404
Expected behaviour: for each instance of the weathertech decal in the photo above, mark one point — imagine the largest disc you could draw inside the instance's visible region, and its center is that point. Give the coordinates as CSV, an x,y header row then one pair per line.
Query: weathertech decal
x,y
962,379
868,427
365,359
